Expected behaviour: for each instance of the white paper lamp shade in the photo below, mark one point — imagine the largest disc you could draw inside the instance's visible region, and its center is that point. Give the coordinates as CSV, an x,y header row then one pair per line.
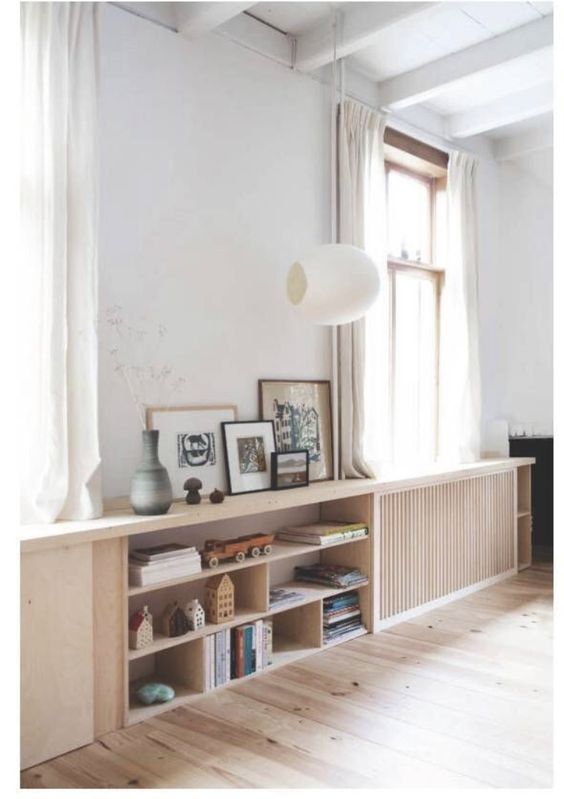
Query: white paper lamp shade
x,y
333,284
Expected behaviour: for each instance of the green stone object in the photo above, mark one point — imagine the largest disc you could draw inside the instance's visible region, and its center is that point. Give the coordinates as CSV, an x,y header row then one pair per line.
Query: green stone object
x,y
154,692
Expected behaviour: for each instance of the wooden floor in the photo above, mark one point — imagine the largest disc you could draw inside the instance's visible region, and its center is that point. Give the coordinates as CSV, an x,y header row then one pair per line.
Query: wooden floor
x,y
460,697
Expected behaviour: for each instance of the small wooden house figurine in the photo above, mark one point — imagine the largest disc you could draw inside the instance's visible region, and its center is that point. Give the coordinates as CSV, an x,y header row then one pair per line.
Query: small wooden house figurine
x,y
220,599
195,614
140,629
174,621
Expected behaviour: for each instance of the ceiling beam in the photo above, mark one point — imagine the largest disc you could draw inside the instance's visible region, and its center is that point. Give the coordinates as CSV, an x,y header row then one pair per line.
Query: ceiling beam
x,y
258,37
421,85
360,24
505,111
509,147
162,14
196,19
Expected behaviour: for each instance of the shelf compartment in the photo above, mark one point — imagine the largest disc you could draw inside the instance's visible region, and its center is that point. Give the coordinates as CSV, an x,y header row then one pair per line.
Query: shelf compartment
x,y
524,541
312,593
297,630
181,668
280,551
524,488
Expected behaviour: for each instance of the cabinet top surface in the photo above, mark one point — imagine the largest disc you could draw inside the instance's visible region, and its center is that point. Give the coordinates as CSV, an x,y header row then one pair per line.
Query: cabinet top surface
x,y
123,522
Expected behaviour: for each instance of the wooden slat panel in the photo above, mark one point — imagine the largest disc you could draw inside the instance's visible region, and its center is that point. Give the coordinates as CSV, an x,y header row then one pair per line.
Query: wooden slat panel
x,y
442,538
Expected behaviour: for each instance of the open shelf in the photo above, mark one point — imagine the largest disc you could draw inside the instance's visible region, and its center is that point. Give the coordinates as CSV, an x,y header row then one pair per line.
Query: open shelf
x,y
297,627
280,550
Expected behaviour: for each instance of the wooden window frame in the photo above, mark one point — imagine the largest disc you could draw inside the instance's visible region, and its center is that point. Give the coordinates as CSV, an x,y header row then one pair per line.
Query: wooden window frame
x,y
428,270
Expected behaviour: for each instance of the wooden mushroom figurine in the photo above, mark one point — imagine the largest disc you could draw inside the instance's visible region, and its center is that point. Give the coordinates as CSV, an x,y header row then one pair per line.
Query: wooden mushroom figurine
x,y
217,496
193,486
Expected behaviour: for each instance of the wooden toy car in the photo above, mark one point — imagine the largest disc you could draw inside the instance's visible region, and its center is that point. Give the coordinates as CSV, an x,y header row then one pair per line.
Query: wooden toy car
x,y
254,545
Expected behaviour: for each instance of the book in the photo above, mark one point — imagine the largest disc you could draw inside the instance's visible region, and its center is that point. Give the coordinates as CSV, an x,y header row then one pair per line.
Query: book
x,y
279,596
325,528
140,576
162,552
333,575
321,540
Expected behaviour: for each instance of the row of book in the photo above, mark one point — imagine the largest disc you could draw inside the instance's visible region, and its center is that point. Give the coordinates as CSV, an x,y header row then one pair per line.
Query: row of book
x,y
323,533
231,654
157,564
330,575
342,617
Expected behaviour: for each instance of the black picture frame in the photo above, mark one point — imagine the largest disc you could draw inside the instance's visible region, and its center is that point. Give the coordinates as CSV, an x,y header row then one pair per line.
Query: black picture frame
x,y
236,480
275,460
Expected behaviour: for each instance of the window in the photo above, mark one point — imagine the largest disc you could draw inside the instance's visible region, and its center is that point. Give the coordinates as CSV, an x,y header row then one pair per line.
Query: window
x,y
416,253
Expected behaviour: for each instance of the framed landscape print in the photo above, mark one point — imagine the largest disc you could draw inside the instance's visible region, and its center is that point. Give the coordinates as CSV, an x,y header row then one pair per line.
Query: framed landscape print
x,y
301,412
248,447
190,444
290,469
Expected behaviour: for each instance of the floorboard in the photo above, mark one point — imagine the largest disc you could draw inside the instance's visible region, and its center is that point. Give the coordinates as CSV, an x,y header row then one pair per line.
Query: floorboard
x,y
460,697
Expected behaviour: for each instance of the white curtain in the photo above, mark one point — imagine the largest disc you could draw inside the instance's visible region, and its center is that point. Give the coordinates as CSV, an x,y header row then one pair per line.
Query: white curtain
x,y
459,381
60,466
363,345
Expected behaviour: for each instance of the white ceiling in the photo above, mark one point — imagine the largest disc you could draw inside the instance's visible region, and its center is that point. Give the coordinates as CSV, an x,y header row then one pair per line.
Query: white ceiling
x,y
476,67
445,29
293,18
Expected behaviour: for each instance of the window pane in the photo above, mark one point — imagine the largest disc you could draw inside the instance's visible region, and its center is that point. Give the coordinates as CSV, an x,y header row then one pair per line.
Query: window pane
x,y
409,217
414,395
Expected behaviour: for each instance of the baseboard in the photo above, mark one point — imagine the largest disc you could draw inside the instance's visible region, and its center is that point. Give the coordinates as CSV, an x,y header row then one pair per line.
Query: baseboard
x,y
383,624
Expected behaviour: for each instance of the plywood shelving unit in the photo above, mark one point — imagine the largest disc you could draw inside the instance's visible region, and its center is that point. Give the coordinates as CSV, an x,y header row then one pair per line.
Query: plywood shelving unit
x,y
524,518
297,627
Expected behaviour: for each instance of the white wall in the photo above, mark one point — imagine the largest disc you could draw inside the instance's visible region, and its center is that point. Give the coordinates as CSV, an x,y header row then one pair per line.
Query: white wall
x,y
517,295
214,178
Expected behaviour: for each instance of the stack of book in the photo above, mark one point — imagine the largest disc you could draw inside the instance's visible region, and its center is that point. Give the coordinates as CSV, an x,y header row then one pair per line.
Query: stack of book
x,y
218,659
164,562
327,574
323,533
251,648
279,597
341,617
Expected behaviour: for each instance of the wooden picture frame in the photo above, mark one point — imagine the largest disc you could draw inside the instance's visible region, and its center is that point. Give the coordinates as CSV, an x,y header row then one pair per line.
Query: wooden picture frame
x,y
247,447
198,426
290,469
303,419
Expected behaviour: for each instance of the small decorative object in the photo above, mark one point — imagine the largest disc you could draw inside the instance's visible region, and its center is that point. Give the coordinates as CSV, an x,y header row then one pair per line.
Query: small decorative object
x,y
191,443
195,614
216,549
153,692
247,451
193,486
301,410
140,629
151,491
217,496
174,621
290,469
220,599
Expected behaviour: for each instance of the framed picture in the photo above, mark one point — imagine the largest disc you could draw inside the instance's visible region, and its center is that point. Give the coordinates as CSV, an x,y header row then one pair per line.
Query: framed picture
x,y
190,444
301,412
248,447
290,469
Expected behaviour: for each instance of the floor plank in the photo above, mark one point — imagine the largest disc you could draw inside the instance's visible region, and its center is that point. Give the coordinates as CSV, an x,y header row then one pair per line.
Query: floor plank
x,y
458,697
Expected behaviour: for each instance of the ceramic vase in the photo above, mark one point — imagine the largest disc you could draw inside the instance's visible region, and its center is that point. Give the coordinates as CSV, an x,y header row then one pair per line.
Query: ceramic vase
x,y
151,490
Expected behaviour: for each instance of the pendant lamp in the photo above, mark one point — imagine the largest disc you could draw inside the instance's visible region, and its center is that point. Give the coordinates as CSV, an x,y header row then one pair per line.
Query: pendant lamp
x,y
333,284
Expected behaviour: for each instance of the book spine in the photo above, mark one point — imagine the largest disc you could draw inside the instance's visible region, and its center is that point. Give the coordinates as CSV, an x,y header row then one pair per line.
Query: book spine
x,y
268,626
258,644
240,652
227,656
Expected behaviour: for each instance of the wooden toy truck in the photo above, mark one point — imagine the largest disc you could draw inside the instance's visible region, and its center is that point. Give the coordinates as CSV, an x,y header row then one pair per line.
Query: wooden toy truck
x,y
216,550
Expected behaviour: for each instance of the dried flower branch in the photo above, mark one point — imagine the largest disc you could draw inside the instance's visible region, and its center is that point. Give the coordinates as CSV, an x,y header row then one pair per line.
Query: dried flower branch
x,y
137,367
